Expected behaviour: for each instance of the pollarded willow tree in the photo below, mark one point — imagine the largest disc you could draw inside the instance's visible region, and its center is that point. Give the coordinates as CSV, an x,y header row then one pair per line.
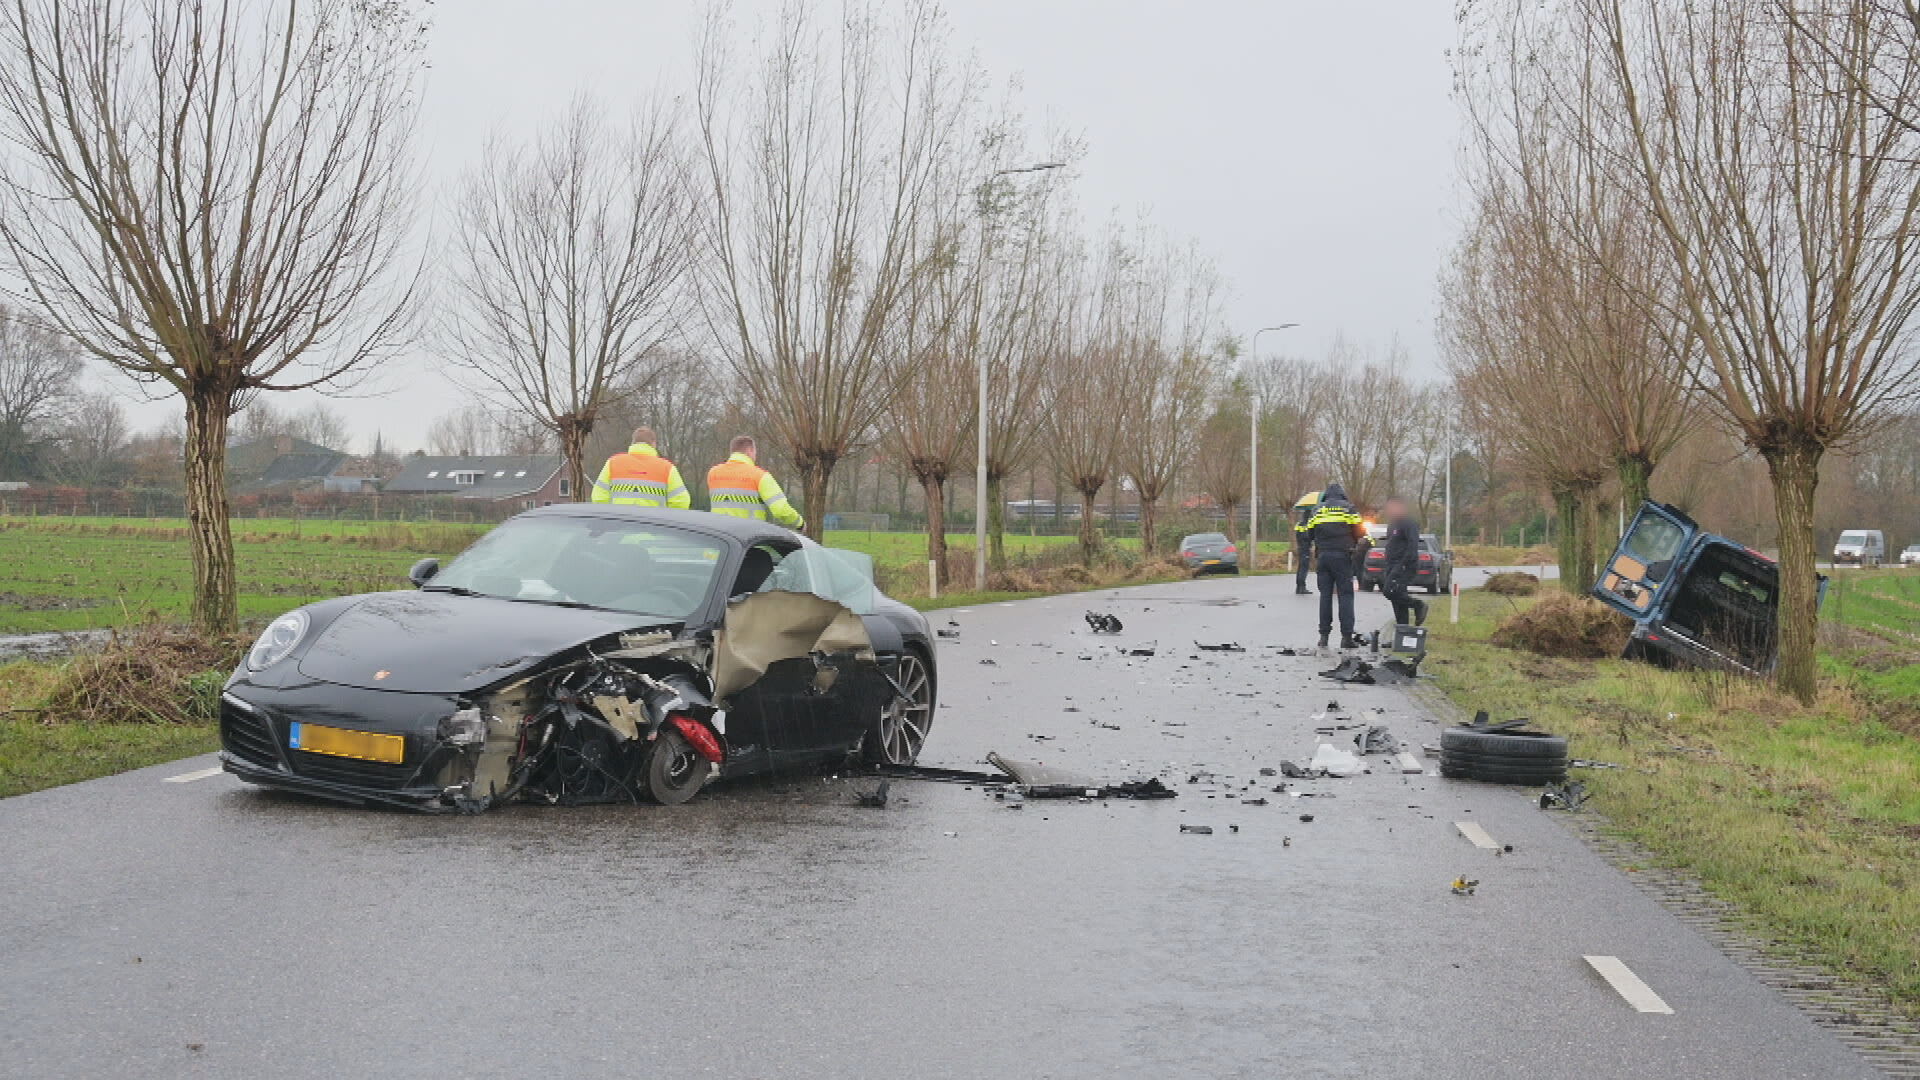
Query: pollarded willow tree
x,y
1167,330
1769,142
1086,383
569,260
212,197
822,154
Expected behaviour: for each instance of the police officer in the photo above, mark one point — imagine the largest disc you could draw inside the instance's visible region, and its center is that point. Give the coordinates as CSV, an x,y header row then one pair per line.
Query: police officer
x,y
1402,548
641,477
737,487
1335,531
1303,539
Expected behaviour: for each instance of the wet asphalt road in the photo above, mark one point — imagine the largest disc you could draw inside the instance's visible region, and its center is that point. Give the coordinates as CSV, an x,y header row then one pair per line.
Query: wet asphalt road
x,y
205,929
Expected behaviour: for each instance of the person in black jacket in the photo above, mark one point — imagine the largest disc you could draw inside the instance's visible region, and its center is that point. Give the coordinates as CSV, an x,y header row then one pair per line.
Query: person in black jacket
x,y
1334,532
1402,547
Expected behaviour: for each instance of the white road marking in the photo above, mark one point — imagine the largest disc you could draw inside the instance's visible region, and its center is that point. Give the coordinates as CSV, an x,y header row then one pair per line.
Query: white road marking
x,y
1472,831
1408,763
1628,985
197,774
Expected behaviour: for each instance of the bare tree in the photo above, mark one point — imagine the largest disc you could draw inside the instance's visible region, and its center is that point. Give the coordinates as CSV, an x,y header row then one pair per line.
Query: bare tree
x,y
1168,323
821,165
1769,152
478,429
569,260
1220,462
91,440
675,397
38,376
211,196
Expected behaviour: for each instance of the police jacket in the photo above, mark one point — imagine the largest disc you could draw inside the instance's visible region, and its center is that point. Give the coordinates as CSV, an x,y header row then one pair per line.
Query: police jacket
x,y
1335,527
1402,545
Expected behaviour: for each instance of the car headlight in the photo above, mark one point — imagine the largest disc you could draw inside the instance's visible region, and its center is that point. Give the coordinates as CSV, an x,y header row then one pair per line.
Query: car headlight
x,y
277,640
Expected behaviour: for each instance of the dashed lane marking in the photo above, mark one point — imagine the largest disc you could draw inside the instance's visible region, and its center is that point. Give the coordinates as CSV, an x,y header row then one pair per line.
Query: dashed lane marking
x,y
1628,985
1472,831
197,774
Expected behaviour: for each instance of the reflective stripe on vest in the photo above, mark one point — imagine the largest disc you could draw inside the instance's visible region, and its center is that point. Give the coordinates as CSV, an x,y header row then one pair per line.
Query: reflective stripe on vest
x,y
733,489
638,479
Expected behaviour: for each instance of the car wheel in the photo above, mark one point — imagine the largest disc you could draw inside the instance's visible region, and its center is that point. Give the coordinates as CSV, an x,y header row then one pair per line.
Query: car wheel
x,y
1499,757
674,772
897,736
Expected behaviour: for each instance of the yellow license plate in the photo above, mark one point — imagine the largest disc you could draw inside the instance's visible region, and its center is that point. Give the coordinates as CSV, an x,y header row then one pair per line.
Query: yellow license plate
x,y
1211,562
339,742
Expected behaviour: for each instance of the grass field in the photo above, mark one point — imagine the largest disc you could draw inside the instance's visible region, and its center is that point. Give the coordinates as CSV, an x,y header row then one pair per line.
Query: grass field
x,y
1807,818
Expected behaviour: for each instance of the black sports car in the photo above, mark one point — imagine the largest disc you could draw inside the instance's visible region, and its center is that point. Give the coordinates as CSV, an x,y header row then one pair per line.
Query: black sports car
x,y
585,653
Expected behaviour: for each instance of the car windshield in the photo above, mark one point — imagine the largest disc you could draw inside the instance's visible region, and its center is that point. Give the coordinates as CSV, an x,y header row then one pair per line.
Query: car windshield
x,y
1853,538
619,565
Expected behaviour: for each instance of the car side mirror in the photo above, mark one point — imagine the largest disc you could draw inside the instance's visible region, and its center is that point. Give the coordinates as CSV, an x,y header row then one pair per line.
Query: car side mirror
x,y
423,572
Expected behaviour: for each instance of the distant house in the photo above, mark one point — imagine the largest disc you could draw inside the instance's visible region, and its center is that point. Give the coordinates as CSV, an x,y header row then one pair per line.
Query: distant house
x,y
360,475
280,463
530,481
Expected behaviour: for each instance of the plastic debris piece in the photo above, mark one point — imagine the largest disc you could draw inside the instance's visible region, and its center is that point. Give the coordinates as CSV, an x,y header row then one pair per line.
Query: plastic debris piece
x,y
1376,740
1333,761
1306,817
1224,646
1464,886
1103,624
1197,830
875,799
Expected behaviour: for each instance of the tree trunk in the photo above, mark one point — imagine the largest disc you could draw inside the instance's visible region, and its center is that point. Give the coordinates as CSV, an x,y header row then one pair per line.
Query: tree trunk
x,y
815,475
215,610
1566,508
1795,472
997,522
1636,474
1149,513
932,484
1089,536
1586,552
573,434
1233,526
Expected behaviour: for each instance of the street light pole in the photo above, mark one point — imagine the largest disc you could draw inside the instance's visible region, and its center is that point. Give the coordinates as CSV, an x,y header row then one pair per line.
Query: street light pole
x,y
980,421
1253,450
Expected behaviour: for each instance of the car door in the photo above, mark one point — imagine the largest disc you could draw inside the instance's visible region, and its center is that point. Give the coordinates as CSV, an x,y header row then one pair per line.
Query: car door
x,y
1642,567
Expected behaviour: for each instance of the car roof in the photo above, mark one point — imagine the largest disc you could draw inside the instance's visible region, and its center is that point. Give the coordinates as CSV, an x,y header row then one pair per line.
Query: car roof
x,y
747,531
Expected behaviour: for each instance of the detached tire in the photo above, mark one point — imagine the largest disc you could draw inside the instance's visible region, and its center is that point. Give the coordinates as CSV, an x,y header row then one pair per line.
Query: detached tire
x,y
1499,757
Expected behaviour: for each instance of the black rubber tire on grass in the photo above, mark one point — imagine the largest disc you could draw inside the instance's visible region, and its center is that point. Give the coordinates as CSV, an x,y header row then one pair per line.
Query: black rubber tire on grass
x,y
1500,757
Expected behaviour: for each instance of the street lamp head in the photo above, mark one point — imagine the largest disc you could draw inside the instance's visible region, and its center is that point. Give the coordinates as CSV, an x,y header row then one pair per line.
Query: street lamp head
x,y
1041,167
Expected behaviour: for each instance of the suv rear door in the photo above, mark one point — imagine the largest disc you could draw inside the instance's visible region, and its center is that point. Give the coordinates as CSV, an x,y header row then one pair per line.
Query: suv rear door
x,y
1643,564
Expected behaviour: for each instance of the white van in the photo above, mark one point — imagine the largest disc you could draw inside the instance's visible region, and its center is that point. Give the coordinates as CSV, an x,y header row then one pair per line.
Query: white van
x,y
1861,547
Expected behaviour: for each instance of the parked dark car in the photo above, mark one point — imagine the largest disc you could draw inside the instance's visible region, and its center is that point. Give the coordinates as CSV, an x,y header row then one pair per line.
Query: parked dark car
x,y
1210,553
1696,599
585,653
1434,571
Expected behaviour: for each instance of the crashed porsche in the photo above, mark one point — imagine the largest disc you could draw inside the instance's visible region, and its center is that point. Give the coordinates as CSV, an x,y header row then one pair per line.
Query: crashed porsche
x,y
585,653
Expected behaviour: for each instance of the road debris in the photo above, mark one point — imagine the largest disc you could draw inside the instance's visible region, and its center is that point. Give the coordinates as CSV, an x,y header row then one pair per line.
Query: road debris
x,y
1330,760
1564,796
1139,650
1306,818
1352,670
1197,830
1583,763
1464,886
947,632
1224,646
1103,624
1376,740
1292,771
875,799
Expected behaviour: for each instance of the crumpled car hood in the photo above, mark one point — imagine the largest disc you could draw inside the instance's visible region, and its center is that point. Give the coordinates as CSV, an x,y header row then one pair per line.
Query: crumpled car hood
x,y
425,642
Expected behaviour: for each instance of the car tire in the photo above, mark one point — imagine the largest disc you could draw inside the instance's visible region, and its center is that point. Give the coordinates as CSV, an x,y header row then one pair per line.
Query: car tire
x,y
674,773
900,732
1434,589
1500,757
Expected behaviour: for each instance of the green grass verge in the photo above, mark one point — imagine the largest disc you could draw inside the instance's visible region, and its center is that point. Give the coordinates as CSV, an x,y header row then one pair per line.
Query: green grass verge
x,y
35,756
1808,819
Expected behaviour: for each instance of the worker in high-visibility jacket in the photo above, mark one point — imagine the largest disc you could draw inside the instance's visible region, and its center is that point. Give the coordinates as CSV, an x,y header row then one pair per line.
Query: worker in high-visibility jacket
x,y
737,487
1303,539
641,477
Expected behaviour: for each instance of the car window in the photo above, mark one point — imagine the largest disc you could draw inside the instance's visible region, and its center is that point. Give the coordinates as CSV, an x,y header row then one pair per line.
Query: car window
x,y
619,565
845,577
1853,538
1654,542
1204,538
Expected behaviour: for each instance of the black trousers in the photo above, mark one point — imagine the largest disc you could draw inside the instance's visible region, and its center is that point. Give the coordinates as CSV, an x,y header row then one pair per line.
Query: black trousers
x,y
1394,587
1302,558
1336,580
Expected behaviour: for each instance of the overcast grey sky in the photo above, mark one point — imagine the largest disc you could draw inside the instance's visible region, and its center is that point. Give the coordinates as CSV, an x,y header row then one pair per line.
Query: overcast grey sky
x,y
1306,145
